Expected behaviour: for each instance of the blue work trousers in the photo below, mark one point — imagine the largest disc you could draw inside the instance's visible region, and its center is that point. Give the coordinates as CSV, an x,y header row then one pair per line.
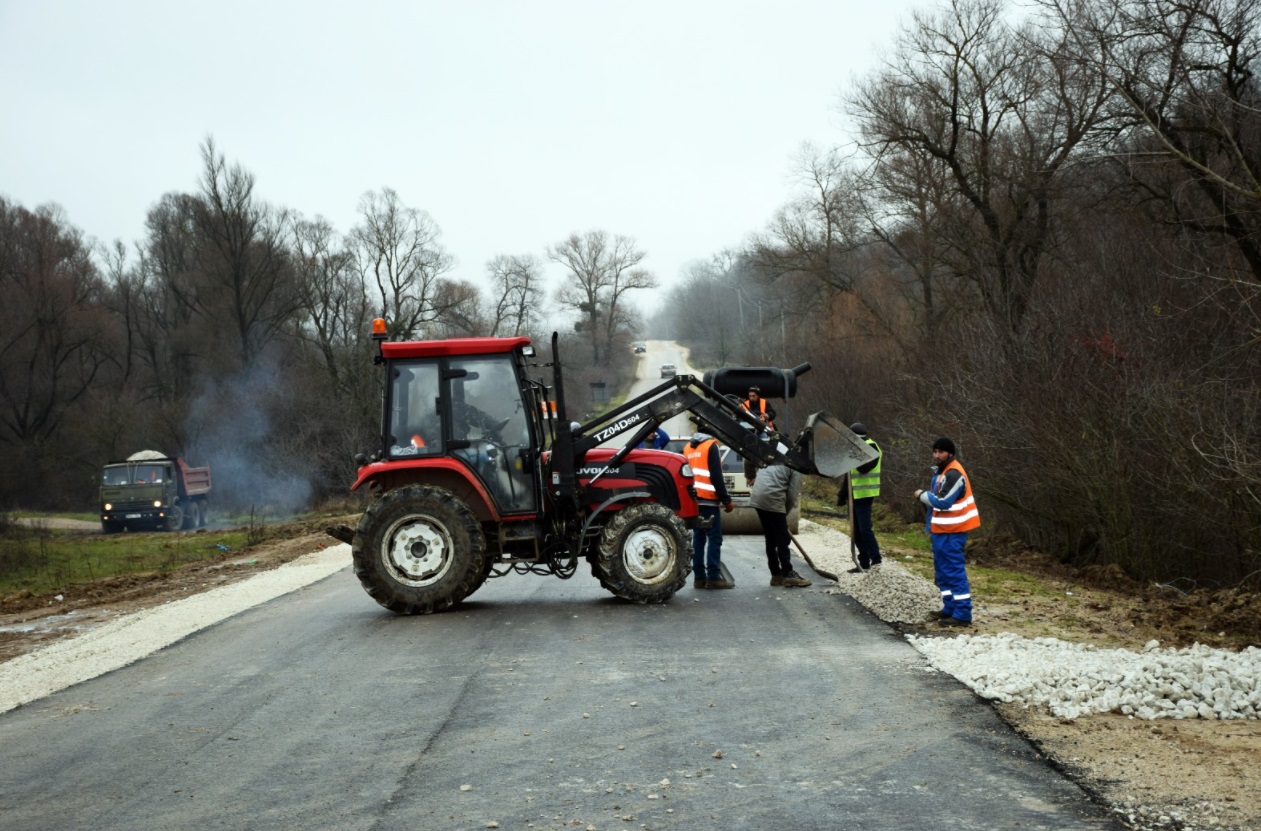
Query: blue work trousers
x,y
707,545
950,575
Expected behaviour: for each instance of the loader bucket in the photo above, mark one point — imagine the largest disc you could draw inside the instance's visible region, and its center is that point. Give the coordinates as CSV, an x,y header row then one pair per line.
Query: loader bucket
x,y
833,448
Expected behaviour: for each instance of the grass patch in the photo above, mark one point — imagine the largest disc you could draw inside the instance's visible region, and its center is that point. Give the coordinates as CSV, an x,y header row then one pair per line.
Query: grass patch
x,y
40,560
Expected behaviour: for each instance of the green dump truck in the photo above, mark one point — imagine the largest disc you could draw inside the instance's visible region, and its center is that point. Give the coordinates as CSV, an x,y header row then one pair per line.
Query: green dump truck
x,y
154,491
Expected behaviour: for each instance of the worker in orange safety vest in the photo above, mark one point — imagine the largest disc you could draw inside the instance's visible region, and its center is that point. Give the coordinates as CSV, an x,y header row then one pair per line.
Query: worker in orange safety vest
x,y
758,406
952,514
705,459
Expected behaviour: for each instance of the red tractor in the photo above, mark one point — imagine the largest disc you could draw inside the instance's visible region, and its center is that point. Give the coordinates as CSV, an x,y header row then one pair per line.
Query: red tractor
x,y
476,476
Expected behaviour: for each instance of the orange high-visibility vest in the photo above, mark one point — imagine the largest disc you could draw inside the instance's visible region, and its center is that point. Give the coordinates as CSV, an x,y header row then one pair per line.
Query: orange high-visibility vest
x,y
962,516
761,404
698,458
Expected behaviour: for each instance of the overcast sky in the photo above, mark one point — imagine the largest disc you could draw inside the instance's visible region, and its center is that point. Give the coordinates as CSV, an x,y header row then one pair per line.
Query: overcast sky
x,y
512,123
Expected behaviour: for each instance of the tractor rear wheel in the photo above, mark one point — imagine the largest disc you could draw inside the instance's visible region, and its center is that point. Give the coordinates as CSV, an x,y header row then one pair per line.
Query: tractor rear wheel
x,y
419,549
645,554
174,519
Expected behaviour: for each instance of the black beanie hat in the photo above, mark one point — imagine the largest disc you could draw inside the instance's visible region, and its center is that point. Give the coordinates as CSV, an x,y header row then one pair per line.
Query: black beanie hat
x,y
858,428
945,444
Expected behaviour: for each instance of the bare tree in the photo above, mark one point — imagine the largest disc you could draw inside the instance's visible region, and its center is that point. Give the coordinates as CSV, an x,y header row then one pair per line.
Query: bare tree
x,y
243,258
169,329
398,252
1186,114
52,329
601,270
813,234
334,304
1003,111
463,314
517,285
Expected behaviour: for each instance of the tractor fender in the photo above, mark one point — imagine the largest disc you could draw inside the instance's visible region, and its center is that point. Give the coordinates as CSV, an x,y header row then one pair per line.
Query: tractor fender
x,y
442,472
620,497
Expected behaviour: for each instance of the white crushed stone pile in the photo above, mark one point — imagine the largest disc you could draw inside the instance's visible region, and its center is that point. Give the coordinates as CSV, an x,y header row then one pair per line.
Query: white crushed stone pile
x,y
1069,679
128,639
1074,680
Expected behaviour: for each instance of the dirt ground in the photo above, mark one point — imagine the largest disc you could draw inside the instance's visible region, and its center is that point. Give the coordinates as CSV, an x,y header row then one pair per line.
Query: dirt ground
x,y
1178,774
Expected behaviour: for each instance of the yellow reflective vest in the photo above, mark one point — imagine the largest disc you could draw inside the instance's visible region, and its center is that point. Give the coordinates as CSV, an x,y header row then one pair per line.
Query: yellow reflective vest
x,y
867,485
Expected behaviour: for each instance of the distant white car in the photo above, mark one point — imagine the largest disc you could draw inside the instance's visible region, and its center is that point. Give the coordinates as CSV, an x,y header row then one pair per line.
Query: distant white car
x,y
641,347
667,370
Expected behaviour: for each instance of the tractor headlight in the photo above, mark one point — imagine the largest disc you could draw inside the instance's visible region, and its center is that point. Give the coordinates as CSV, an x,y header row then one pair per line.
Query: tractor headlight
x,y
686,470
157,503
109,507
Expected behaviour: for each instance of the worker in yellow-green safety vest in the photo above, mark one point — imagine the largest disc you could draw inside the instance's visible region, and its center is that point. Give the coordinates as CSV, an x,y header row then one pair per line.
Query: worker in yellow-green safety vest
x,y
865,481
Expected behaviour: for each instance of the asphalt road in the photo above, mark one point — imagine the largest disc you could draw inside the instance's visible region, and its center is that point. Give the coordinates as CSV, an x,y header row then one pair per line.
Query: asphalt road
x,y
540,703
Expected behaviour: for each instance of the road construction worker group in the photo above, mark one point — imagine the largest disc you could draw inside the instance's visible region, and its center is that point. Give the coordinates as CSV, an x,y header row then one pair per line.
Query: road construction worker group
x,y
950,513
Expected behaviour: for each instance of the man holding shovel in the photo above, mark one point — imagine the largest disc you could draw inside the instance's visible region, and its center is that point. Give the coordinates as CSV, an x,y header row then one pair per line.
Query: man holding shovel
x,y
860,489
775,492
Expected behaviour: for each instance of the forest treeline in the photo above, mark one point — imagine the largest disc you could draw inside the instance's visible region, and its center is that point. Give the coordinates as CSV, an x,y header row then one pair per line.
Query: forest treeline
x,y
237,334
1042,238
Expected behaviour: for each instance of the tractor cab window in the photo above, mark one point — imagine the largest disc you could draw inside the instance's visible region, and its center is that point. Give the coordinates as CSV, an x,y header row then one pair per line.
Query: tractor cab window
x,y
415,425
114,476
488,413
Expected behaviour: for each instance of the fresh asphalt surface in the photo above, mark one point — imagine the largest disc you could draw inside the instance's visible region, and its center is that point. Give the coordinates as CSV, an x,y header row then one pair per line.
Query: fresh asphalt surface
x,y
539,701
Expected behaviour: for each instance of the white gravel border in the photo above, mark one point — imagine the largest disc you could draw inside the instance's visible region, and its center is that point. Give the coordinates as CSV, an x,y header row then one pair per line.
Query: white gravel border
x,y
129,638
1069,679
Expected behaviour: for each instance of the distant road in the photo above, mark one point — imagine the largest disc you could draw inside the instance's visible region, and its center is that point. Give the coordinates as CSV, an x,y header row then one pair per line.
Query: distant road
x,y
649,375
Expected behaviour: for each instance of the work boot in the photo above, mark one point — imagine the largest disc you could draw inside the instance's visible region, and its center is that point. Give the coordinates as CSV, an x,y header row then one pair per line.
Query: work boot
x,y
796,581
720,583
698,583
950,622
856,570
777,580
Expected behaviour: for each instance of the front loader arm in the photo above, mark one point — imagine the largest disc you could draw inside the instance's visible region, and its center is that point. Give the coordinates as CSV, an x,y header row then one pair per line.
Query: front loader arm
x,y
823,447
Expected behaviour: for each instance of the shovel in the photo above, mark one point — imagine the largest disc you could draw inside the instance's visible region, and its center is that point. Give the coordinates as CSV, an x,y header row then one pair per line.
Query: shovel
x,y
849,498
799,548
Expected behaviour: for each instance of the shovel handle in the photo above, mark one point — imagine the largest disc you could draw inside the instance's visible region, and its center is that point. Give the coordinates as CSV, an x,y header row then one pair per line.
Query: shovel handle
x,y
853,548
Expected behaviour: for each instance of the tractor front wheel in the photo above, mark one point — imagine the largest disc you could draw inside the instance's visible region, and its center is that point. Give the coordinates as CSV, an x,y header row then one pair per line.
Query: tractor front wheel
x,y
419,549
645,554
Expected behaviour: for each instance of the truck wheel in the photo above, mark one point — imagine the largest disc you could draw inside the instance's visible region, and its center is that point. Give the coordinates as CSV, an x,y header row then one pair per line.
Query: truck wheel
x,y
109,527
192,515
419,549
174,517
645,554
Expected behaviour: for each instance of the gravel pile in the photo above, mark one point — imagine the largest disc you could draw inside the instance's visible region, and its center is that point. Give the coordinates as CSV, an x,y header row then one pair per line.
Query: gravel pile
x,y
1073,680
1069,679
